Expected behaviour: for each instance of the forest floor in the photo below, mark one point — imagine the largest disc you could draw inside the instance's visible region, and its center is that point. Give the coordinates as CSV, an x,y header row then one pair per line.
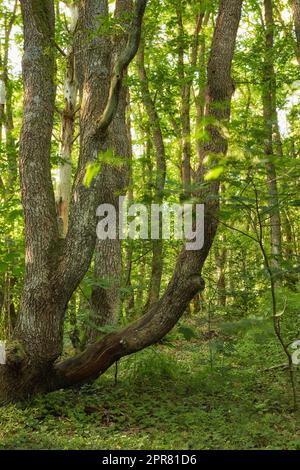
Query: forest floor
x,y
195,391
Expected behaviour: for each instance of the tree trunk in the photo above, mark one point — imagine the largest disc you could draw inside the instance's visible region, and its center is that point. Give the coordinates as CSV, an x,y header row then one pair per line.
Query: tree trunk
x,y
54,268
106,299
296,17
64,172
186,81
271,130
128,300
200,97
160,157
6,122
41,334
220,259
51,279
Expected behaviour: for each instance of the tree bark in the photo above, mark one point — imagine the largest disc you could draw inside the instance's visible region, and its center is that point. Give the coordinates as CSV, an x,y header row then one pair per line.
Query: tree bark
x,y
200,97
220,259
106,301
7,183
128,300
6,113
160,157
271,130
186,81
296,16
39,325
55,268
64,171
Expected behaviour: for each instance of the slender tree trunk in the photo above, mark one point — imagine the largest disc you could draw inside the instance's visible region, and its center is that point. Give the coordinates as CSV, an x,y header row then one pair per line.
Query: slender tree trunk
x,y
6,112
9,147
296,16
186,80
271,129
289,253
2,105
2,187
64,172
160,157
220,258
74,333
129,299
200,97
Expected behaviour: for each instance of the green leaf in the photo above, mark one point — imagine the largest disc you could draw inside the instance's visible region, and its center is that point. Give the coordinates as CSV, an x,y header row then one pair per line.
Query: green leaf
x,y
187,332
92,170
214,174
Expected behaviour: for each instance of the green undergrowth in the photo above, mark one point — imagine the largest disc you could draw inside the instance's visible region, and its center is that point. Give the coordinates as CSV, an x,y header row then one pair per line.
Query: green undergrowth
x,y
197,390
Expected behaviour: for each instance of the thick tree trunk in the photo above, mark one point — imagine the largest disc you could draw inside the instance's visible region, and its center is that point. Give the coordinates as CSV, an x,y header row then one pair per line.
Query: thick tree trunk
x,y
55,268
40,324
106,300
39,332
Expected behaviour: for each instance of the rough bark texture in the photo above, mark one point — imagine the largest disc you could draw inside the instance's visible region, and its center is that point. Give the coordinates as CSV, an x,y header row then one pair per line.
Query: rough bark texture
x,y
40,325
6,113
38,334
186,81
64,172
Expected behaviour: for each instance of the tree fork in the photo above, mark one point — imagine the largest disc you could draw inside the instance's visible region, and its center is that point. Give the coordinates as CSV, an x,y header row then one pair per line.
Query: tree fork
x,y
39,372
186,281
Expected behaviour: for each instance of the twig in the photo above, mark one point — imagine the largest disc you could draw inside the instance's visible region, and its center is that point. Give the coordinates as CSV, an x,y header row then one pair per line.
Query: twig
x,y
279,366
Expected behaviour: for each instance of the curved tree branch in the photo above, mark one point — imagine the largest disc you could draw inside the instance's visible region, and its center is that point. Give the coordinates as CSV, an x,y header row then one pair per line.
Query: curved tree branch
x,y
120,67
186,281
